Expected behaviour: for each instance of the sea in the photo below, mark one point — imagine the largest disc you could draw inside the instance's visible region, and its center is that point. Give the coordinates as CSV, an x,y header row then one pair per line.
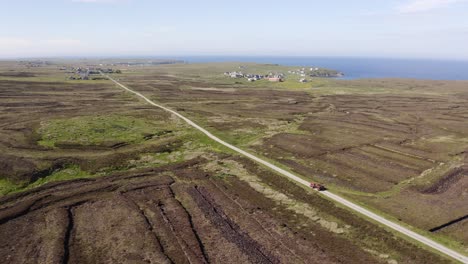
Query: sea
x,y
359,68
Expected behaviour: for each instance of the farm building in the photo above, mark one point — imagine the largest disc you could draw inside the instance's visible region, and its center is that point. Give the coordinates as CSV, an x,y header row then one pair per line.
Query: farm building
x,y
275,79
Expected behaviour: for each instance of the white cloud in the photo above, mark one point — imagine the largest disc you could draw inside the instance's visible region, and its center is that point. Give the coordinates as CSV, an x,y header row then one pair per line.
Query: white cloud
x,y
415,6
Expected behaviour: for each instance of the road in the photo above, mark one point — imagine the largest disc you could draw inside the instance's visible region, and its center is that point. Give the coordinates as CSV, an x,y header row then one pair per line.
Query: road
x,y
422,239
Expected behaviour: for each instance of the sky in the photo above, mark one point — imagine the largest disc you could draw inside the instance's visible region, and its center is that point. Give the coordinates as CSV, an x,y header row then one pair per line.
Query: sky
x,y
433,29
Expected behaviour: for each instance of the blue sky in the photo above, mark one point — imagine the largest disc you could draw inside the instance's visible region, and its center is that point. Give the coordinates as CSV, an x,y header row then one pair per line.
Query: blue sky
x,y
369,28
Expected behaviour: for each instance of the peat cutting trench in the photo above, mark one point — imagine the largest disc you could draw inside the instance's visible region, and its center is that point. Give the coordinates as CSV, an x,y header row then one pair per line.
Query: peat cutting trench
x,y
405,231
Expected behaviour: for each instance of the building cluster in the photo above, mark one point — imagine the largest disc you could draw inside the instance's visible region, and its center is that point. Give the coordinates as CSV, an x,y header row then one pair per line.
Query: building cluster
x,y
302,73
81,73
317,72
35,63
306,72
273,77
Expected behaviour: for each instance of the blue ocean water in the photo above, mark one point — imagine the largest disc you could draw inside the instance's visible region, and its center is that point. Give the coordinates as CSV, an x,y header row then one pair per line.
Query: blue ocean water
x,y
356,68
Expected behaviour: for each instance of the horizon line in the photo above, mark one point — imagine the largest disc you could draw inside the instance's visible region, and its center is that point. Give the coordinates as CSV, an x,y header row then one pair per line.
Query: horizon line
x,y
179,56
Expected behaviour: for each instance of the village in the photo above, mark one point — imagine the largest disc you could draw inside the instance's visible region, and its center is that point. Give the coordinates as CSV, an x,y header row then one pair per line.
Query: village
x,y
305,73
80,73
87,72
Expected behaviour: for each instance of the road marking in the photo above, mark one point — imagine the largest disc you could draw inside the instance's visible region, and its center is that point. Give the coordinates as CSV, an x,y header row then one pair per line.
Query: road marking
x,y
428,242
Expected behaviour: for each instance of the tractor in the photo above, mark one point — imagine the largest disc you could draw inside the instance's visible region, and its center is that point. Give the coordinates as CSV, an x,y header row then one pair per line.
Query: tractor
x,y
317,186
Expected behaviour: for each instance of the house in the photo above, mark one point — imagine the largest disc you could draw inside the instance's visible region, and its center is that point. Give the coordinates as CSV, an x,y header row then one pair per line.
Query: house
x,y
84,75
275,79
235,74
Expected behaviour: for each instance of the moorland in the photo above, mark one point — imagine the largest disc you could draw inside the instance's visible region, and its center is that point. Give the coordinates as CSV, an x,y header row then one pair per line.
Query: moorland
x,y
85,164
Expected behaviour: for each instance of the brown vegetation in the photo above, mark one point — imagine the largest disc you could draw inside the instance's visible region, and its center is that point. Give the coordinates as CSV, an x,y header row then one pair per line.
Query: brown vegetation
x,y
387,139
184,212
179,213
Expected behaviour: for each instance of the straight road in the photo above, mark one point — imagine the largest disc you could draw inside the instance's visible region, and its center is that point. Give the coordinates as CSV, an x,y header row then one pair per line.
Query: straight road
x,y
422,239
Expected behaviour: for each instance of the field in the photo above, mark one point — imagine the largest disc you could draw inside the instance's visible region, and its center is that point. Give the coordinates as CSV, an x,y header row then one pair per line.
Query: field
x,y
95,174
383,142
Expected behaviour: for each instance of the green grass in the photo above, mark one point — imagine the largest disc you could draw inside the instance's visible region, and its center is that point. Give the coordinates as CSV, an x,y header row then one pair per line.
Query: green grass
x,y
83,130
96,130
7,186
202,141
68,173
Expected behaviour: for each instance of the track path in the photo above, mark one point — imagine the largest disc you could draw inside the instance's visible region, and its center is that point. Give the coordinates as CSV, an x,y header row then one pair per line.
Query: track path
x,y
422,239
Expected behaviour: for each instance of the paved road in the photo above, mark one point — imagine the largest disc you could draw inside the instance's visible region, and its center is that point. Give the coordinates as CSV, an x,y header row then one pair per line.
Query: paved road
x,y
328,194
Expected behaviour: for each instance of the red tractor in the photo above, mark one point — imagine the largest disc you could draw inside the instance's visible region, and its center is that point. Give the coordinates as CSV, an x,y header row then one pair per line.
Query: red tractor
x,y
317,186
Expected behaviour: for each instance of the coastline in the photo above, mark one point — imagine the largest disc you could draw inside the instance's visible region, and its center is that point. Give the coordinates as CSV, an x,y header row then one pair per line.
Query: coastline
x,y
359,68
